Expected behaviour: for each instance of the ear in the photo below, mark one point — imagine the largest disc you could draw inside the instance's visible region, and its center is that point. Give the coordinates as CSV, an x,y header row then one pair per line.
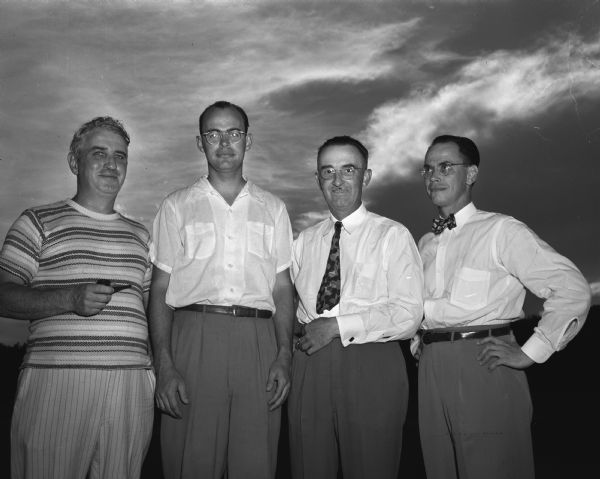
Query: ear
x,y
472,172
248,141
317,179
199,143
367,177
73,163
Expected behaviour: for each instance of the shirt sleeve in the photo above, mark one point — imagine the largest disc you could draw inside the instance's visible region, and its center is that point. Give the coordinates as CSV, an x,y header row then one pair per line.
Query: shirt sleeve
x,y
148,273
552,277
401,313
283,240
166,237
22,247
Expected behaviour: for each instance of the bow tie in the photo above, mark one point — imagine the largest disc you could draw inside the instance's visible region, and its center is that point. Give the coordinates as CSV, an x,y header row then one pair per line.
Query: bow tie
x,y
439,224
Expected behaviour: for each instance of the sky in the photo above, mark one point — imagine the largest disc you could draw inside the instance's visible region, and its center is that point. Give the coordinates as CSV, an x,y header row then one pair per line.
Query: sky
x,y
521,78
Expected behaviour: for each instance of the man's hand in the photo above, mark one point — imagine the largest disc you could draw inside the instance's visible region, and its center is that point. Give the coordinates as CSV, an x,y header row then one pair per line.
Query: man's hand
x,y
89,299
497,352
318,334
279,380
170,391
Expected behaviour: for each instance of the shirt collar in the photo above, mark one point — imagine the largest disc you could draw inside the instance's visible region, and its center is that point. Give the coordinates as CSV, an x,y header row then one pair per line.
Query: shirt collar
x,y
462,216
350,222
249,189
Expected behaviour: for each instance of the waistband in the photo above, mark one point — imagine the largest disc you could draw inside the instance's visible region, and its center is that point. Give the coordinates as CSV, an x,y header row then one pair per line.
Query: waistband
x,y
435,336
235,310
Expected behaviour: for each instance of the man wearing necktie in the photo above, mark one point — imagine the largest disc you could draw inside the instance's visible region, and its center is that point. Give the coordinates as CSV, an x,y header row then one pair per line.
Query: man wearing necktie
x,y
474,403
359,282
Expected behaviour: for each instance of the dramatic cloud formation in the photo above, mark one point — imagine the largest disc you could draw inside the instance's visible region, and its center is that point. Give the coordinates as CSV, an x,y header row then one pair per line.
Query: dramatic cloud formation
x,y
494,89
523,80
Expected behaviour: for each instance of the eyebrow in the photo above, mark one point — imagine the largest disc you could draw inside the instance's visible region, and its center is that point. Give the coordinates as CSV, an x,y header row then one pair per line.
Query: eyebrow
x,y
343,166
103,148
229,129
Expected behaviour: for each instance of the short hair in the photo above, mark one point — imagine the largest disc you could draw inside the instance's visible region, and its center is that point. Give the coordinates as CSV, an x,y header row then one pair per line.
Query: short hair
x,y
105,122
342,141
466,147
224,104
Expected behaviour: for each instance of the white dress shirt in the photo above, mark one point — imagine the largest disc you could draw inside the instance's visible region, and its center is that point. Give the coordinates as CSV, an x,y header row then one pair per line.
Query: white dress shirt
x,y
477,272
218,253
381,277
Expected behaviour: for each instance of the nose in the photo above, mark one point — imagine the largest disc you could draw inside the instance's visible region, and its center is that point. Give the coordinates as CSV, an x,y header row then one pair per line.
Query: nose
x,y
224,138
110,162
435,174
337,178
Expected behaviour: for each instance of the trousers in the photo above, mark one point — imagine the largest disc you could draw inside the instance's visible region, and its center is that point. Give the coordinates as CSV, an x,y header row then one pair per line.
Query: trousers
x,y
473,422
347,407
227,427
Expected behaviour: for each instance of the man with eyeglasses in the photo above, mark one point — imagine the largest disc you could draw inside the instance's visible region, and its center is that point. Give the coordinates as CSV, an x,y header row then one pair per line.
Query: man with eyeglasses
x,y
359,282
474,403
221,313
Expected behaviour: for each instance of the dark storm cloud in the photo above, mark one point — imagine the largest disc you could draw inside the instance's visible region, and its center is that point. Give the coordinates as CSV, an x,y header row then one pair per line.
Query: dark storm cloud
x,y
523,80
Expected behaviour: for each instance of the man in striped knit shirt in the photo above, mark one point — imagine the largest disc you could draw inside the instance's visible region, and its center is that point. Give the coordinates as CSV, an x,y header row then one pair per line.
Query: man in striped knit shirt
x,y
80,272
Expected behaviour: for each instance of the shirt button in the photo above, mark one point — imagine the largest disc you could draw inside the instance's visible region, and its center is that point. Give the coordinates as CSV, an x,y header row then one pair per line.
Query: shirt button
x,y
231,290
230,266
351,339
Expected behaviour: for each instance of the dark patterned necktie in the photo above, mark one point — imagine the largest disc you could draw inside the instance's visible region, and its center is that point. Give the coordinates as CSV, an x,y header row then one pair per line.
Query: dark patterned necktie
x,y
329,292
439,224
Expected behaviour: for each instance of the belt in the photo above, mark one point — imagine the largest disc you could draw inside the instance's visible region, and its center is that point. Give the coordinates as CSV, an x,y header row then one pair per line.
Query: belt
x,y
434,337
234,310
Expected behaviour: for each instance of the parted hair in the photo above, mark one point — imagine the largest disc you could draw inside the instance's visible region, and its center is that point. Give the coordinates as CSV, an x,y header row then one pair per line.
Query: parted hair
x,y
224,104
105,122
345,140
466,147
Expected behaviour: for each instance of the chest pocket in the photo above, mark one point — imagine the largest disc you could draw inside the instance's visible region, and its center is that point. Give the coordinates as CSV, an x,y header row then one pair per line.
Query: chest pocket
x,y
470,288
260,239
365,284
199,240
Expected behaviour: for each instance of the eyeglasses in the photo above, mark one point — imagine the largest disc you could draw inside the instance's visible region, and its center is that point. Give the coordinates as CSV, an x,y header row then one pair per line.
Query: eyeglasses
x,y
214,137
346,172
444,168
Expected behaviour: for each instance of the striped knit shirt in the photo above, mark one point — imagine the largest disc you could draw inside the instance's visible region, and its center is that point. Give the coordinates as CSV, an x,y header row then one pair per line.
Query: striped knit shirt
x,y
63,245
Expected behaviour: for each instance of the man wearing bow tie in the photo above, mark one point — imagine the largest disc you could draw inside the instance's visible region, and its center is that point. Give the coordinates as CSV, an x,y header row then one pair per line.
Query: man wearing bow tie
x,y
359,281
474,403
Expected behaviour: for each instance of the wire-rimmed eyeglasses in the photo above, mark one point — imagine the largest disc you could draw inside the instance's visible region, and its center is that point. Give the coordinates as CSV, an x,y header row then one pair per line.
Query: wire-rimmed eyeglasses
x,y
214,137
346,172
445,168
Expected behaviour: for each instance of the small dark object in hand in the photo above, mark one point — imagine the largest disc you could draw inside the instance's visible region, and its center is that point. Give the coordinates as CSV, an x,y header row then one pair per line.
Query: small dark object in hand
x,y
117,288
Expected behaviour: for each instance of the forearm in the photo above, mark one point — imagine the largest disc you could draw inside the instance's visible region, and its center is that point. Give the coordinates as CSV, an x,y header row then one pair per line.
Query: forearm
x,y
283,297
22,302
380,323
160,320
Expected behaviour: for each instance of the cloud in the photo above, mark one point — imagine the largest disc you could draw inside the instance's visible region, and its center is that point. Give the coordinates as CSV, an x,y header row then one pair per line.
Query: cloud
x,y
309,218
492,89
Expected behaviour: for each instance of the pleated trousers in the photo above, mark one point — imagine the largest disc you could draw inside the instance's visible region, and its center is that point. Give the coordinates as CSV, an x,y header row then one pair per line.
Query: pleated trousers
x,y
347,407
227,427
81,423
474,423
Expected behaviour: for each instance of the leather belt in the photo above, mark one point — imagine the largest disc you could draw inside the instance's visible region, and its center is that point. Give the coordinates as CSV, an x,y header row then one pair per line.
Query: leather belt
x,y
433,337
235,310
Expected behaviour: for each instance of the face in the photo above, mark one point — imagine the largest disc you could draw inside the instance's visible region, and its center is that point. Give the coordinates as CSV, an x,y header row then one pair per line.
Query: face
x,y
343,196
225,156
452,192
102,163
